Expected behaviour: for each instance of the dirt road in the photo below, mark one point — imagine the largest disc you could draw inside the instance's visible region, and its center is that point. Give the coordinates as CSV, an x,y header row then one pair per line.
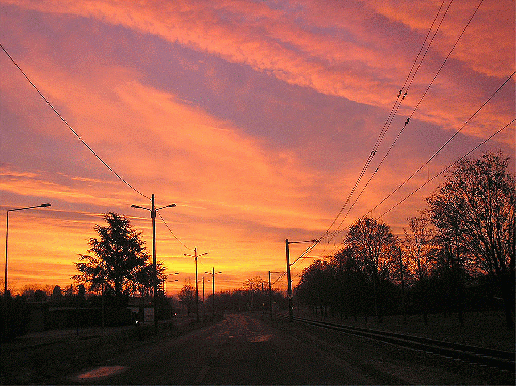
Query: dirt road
x,y
244,350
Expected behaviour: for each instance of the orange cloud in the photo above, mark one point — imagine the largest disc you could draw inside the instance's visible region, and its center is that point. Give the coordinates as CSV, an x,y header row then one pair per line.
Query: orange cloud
x,y
298,53
239,194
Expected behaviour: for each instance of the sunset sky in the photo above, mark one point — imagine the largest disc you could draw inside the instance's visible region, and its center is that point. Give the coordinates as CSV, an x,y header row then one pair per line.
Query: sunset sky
x,y
254,117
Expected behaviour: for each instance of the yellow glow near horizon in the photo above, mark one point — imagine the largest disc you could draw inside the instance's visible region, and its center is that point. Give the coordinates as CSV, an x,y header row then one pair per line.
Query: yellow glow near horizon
x,y
255,119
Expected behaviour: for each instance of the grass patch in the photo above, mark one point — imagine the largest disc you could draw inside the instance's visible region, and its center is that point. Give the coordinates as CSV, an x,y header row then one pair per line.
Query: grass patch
x,y
483,329
51,356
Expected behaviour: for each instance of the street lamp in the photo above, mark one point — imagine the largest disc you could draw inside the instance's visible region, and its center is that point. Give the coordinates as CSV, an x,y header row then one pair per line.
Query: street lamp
x,y
289,282
172,280
7,236
195,255
153,210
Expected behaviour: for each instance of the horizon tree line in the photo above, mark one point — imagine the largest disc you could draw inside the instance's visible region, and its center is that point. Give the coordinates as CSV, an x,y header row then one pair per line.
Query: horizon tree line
x,y
464,240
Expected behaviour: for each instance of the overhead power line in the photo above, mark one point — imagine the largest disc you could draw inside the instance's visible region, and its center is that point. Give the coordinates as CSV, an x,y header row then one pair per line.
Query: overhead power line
x,y
279,277
447,168
414,110
307,251
445,143
172,233
70,127
401,96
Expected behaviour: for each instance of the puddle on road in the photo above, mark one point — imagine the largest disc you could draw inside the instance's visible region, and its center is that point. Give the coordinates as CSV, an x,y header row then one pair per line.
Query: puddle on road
x,y
259,338
101,372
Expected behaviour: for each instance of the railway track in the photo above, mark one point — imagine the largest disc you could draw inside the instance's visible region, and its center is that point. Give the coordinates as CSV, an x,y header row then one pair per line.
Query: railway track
x,y
502,360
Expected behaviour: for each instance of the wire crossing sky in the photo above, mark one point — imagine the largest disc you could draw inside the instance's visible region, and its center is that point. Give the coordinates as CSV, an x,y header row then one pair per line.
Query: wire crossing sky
x,y
70,127
257,119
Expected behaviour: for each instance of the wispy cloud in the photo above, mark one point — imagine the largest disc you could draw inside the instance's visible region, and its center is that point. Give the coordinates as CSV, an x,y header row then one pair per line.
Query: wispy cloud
x,y
255,118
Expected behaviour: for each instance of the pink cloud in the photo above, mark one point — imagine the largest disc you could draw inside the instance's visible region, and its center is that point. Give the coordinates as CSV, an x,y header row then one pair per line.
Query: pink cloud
x,y
238,196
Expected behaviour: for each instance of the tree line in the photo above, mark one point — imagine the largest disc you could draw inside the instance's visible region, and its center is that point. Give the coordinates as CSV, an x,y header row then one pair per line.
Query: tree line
x,y
254,295
457,254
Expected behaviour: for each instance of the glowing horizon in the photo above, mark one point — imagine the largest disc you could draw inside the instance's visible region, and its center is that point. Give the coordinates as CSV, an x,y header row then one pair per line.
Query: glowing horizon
x,y
254,118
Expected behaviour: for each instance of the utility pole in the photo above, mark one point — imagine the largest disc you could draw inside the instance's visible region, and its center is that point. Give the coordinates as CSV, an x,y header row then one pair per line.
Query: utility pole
x,y
270,295
402,286
153,210
196,287
289,284
203,291
195,256
154,270
6,290
213,291
289,280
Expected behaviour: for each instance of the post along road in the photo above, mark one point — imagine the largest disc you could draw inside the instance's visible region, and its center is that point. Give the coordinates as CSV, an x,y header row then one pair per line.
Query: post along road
x,y
245,350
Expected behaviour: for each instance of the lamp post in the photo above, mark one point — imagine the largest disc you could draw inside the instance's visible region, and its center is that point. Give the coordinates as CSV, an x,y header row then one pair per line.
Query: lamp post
x,y
172,280
289,281
195,255
153,210
7,236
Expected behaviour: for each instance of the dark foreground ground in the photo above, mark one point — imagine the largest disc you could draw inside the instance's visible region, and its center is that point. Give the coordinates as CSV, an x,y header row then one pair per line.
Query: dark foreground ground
x,y
242,349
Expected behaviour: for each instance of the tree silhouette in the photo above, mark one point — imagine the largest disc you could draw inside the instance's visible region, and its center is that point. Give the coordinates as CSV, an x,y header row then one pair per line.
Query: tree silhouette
x,y
119,260
374,248
187,297
420,249
474,212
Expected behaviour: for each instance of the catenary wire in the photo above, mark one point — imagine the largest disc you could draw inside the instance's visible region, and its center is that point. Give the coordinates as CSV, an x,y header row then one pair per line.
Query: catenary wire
x,y
442,171
448,167
172,233
445,144
69,126
413,111
394,109
279,277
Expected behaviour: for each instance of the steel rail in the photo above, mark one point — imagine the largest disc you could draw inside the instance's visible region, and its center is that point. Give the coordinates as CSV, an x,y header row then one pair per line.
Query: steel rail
x,y
502,360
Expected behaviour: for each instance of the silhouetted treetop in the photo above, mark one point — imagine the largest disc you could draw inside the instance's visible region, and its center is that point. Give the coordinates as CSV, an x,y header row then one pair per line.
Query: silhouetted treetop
x,y
119,259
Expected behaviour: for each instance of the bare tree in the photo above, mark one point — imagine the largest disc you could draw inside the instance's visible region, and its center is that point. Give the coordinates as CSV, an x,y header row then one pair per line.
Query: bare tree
x,y
419,246
418,243
374,248
187,297
474,212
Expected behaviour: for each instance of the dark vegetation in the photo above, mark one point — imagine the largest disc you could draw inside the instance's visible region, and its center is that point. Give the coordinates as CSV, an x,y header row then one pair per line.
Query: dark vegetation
x,y
35,311
457,256
253,296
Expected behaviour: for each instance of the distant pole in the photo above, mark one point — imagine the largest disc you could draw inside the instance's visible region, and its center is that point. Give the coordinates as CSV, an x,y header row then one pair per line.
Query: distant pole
x,y
203,305
6,291
270,295
289,284
196,256
213,291
6,237
196,287
153,211
154,270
